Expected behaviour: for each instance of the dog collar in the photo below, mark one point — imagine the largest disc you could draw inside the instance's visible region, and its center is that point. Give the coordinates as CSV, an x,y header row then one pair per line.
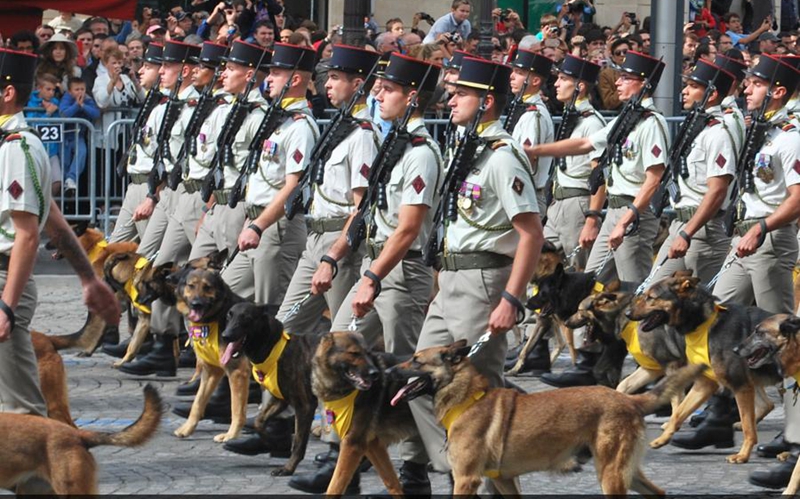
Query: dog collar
x,y
630,333
452,415
339,413
98,248
205,340
130,289
697,344
266,373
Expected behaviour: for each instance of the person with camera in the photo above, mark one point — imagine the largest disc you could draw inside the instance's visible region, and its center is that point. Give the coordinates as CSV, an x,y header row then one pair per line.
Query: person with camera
x,y
421,16
506,21
455,21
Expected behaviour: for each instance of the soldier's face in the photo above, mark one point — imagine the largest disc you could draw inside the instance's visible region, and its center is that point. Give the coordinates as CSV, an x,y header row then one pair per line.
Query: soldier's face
x,y
340,88
464,105
202,76
148,74
234,78
393,101
277,79
755,92
169,72
628,86
517,80
566,86
692,93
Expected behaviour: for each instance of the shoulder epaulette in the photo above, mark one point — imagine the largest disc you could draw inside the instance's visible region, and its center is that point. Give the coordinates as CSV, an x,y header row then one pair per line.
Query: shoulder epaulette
x,y
728,110
297,116
221,100
532,107
713,122
12,136
788,127
164,99
366,125
497,144
418,140
191,102
587,113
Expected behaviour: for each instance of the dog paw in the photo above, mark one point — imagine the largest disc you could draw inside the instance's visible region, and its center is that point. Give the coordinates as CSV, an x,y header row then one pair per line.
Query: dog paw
x,y
117,363
282,472
737,459
83,354
664,425
659,442
223,437
737,426
184,431
783,456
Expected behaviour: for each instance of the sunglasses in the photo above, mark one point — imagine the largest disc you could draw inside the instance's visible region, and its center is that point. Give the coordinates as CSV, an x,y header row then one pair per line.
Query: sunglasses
x,y
620,52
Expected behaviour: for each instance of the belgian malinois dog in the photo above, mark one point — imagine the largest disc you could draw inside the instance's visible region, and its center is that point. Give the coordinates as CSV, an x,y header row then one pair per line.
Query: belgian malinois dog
x,y
34,446
681,303
253,330
500,433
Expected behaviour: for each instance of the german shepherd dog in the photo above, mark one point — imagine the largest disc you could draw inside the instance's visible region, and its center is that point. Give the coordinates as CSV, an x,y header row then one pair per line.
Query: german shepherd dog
x,y
53,451
776,342
680,303
254,330
343,366
500,433
205,300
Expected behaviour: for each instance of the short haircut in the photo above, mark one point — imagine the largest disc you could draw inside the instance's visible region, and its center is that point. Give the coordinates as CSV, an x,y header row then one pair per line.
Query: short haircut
x,y
46,26
46,78
264,23
110,52
730,15
25,36
690,36
97,20
457,3
547,19
391,22
74,80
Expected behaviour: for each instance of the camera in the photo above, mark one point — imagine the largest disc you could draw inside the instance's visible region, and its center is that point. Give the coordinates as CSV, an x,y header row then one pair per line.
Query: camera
x,y
632,17
504,14
427,18
340,31
125,70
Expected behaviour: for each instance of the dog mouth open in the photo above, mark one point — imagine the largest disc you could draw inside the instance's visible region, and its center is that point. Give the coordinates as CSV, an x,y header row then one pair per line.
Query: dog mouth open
x,y
196,313
758,358
232,351
412,390
359,382
653,320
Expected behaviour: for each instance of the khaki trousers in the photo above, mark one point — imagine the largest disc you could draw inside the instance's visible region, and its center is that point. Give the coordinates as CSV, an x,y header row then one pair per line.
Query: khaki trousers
x,y
158,222
219,230
565,221
125,229
705,255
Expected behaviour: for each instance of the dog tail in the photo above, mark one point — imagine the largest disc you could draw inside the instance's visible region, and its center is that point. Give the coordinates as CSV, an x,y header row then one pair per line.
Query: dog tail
x,y
87,338
672,385
136,434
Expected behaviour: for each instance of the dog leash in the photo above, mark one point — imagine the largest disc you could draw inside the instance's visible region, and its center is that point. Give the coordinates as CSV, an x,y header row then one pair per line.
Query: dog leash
x,y
230,259
725,266
296,307
484,339
353,327
649,278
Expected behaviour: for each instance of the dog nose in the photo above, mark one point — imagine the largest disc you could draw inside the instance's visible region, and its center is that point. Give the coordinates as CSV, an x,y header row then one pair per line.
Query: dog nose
x,y
737,349
628,314
373,373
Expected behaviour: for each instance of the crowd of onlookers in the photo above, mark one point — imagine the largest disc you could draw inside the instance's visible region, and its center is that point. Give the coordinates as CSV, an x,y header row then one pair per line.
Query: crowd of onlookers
x,y
89,67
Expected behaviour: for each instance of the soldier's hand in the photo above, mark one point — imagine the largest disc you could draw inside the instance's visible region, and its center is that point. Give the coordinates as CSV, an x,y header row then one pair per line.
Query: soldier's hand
x,y
589,233
364,300
248,239
679,248
616,237
144,210
100,299
322,280
503,317
749,243
5,328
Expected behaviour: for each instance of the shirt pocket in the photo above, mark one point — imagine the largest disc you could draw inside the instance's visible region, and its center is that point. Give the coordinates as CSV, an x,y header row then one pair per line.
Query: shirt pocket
x,y
696,165
337,174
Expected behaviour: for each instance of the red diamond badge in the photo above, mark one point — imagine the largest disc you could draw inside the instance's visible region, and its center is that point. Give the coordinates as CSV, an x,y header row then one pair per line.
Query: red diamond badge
x,y
16,190
797,166
721,160
418,184
365,170
518,185
297,156
656,151
527,143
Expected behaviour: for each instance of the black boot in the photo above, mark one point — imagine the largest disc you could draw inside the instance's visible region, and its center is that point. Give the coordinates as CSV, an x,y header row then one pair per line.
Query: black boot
x,y
187,358
733,410
776,446
777,477
716,429
537,362
578,375
414,479
160,361
189,388
218,409
329,456
110,335
276,440
317,483
120,349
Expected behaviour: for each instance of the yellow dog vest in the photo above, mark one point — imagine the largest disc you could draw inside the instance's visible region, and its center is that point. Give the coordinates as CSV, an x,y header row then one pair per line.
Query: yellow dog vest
x,y
131,289
266,373
339,413
205,340
697,345
631,336
454,413
96,250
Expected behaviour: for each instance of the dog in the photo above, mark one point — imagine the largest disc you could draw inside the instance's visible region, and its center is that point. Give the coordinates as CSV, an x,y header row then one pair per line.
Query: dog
x,y
205,301
58,453
711,333
500,433
345,370
279,361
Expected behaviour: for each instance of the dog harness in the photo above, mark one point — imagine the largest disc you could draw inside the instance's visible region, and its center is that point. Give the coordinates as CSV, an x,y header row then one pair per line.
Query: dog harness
x,y
454,413
630,333
205,340
98,248
697,345
339,413
133,294
266,373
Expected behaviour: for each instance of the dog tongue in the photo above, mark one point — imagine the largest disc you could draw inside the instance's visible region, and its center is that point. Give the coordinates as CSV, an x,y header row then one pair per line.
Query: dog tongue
x,y
231,349
195,315
401,393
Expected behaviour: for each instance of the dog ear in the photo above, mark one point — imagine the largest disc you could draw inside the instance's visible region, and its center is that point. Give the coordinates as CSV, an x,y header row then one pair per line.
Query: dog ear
x,y
612,286
80,227
270,310
789,327
688,284
217,259
457,351
682,273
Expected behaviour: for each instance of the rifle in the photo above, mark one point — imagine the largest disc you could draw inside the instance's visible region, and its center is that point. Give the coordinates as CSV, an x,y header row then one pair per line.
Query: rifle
x,y
171,114
517,108
151,100
215,178
205,104
389,154
691,127
463,158
569,120
626,121
273,118
340,127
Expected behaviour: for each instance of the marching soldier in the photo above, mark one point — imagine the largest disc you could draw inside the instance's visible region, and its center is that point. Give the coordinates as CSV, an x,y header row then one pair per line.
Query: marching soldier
x,y
731,114
392,295
636,168
490,250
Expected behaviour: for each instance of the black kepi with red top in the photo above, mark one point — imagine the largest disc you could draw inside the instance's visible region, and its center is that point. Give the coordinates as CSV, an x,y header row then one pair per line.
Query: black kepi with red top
x,y
17,67
180,52
352,60
154,53
531,61
580,69
410,72
705,73
485,75
211,55
643,66
288,56
249,55
734,66
776,72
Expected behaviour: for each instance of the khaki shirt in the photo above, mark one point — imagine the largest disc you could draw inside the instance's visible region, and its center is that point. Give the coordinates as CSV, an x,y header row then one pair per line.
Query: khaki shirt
x,y
578,168
207,138
197,169
145,149
415,180
176,136
712,154
535,127
776,167
734,120
346,169
22,182
645,147
285,152
497,189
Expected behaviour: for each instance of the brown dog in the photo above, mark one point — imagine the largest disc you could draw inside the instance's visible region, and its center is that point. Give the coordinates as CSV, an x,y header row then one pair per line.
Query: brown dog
x,y
39,447
711,333
500,433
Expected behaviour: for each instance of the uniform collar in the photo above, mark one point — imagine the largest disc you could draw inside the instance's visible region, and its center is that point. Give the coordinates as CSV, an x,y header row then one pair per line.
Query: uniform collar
x,y
256,97
714,110
583,105
12,121
533,98
415,124
493,130
294,103
360,109
648,103
730,101
483,126
188,92
779,116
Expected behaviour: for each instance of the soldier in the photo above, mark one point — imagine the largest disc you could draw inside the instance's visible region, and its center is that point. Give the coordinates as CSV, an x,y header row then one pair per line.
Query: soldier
x,y
393,293
535,126
636,167
490,251
140,161
731,114
697,239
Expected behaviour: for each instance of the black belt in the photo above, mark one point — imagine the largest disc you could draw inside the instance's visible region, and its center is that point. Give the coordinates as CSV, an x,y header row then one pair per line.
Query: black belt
x,y
323,225
191,185
561,193
138,178
619,201
374,251
475,260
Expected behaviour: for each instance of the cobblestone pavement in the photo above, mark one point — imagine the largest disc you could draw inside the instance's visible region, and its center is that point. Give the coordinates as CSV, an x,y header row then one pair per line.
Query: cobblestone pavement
x,y
103,399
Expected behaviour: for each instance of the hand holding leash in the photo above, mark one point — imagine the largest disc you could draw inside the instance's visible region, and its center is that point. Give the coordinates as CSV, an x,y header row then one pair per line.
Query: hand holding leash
x,y
484,339
649,278
296,307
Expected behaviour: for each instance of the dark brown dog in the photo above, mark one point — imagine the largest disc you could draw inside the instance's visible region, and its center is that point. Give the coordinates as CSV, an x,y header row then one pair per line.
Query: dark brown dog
x,y
254,330
680,303
51,450
344,367
205,300
500,433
